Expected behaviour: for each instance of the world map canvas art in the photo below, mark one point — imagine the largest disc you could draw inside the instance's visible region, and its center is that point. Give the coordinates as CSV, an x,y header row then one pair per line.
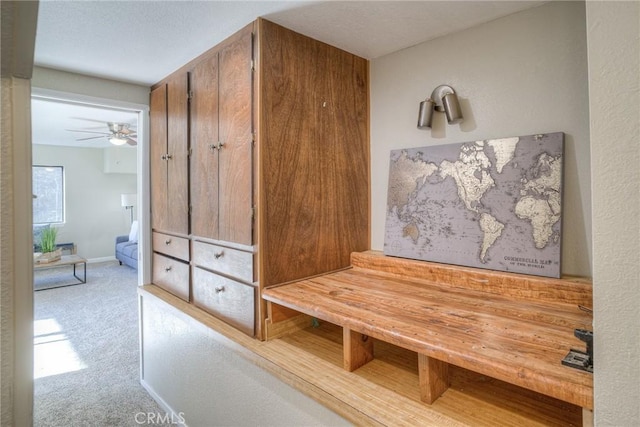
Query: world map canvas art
x,y
494,204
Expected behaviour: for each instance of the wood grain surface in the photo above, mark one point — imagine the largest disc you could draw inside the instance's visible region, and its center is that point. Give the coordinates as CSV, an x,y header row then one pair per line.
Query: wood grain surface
x,y
157,164
385,391
177,161
518,341
236,156
204,154
314,194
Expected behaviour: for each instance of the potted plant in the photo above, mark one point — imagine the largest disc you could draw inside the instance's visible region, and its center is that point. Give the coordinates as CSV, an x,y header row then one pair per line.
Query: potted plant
x,y
48,246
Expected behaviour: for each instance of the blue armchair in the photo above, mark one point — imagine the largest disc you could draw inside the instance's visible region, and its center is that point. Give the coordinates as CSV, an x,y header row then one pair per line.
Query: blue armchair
x,y
127,247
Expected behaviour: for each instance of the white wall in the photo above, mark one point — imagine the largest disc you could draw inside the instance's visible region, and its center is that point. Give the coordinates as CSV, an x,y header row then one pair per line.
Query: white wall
x,y
519,75
93,213
614,91
63,81
194,372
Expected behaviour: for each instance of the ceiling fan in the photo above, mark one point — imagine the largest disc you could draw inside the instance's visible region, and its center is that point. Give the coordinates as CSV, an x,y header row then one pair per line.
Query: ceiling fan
x,y
119,133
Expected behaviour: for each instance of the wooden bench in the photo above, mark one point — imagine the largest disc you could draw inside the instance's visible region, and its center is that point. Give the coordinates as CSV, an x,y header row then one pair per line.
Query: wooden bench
x,y
512,327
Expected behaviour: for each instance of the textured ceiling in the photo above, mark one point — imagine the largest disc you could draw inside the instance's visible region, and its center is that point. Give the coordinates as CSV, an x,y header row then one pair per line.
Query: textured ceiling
x,y
143,41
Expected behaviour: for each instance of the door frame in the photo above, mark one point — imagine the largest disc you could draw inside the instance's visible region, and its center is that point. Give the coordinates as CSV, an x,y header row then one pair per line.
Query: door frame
x,y
142,169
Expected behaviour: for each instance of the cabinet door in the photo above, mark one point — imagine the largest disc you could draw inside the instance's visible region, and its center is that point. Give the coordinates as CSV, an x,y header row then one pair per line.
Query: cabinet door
x,y
204,145
236,169
177,211
157,151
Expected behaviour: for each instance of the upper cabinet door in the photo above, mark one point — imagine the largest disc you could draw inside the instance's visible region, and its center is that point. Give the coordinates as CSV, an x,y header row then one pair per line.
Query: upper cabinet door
x,y
157,154
177,154
205,147
235,121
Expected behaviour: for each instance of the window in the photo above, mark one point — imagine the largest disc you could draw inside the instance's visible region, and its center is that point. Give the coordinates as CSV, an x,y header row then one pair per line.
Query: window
x,y
48,194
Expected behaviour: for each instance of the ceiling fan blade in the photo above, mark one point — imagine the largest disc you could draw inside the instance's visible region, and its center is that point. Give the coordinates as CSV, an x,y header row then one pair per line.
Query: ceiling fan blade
x,y
87,131
91,137
89,120
132,142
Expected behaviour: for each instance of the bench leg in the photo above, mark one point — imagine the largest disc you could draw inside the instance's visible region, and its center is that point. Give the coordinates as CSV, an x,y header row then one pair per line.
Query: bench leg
x,y
434,378
357,349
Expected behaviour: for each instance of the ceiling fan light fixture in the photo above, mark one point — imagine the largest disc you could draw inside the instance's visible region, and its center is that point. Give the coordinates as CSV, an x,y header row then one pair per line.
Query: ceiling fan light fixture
x,y
116,140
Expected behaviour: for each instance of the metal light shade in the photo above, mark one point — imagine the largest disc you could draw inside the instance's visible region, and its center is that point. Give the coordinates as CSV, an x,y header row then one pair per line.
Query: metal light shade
x,y
425,115
443,99
452,108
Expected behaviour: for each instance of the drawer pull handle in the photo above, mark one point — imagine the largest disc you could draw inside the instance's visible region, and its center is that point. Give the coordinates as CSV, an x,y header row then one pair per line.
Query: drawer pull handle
x,y
218,255
167,242
219,289
167,269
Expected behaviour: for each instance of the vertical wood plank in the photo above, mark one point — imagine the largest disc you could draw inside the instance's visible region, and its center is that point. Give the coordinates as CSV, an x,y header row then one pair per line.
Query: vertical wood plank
x,y
236,163
204,140
177,147
433,375
357,349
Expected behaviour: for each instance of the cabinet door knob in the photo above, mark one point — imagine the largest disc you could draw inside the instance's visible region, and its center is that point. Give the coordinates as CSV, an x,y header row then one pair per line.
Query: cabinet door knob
x,y
212,147
167,242
169,156
167,269
220,145
219,289
163,157
218,254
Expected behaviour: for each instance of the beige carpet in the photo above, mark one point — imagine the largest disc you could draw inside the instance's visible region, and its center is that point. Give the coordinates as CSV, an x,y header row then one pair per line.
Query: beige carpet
x,y
87,362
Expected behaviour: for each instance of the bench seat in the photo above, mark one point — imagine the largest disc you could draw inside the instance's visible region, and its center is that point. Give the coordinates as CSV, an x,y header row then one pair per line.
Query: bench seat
x,y
511,327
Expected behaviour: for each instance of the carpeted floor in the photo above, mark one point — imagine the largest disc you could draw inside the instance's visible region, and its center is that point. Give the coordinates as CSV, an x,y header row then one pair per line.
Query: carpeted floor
x,y
87,362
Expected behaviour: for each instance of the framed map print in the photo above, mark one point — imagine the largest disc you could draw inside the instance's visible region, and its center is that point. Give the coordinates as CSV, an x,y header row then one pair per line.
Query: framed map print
x,y
494,204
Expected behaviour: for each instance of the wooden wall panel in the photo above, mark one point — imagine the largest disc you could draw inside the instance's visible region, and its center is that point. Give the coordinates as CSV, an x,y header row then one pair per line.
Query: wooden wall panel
x,y
315,157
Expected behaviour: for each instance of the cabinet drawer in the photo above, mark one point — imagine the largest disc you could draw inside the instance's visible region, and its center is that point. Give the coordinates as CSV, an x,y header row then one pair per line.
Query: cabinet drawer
x,y
231,262
231,301
177,247
171,275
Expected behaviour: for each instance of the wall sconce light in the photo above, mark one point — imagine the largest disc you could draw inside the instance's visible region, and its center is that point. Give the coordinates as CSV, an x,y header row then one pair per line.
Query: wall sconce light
x,y
127,201
443,99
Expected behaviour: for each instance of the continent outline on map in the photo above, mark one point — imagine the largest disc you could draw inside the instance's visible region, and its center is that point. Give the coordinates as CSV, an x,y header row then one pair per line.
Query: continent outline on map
x,y
494,203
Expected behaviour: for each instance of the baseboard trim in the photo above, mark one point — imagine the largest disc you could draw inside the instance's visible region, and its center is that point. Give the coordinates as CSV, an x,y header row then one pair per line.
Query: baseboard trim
x,y
176,418
101,259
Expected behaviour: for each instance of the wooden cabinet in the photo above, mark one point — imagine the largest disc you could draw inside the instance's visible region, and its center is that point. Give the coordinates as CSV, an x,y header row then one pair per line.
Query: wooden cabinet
x,y
314,155
227,299
279,166
171,275
168,156
221,135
